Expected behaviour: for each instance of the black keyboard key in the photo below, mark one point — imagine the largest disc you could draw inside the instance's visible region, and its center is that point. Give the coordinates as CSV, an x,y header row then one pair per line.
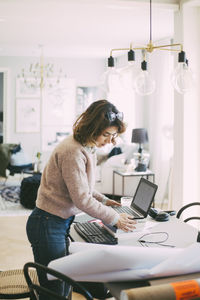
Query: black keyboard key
x,y
94,233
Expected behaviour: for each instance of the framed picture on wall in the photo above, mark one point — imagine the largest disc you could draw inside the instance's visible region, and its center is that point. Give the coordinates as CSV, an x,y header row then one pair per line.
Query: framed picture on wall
x,y
28,115
27,88
58,104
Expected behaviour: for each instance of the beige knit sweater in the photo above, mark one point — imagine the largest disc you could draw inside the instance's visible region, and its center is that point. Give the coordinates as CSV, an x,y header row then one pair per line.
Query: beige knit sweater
x,y
67,184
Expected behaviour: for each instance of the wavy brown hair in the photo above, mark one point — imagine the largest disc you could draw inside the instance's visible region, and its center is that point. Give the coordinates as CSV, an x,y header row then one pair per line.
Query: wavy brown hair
x,y
93,122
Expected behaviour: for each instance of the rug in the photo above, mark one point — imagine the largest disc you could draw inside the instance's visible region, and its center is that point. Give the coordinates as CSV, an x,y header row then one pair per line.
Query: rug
x,y
10,201
10,193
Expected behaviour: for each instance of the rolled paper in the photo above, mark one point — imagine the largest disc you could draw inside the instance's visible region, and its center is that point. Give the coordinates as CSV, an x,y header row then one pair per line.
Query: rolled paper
x,y
186,290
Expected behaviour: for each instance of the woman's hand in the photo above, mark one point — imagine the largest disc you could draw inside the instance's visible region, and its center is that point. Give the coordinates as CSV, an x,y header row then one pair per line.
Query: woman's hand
x,y
110,202
126,222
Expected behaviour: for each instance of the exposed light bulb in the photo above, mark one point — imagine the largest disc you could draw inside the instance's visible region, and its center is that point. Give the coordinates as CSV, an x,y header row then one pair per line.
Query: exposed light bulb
x,y
144,84
182,78
111,79
129,74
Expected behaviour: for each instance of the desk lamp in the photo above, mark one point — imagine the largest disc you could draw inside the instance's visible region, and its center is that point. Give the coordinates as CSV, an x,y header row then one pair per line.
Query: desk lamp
x,y
140,136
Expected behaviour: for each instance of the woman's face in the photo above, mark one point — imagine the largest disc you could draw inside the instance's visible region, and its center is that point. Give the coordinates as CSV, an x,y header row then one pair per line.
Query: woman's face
x,y
107,136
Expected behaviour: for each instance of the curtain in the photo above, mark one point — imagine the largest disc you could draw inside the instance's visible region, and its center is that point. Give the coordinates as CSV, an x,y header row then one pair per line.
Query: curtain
x,y
159,121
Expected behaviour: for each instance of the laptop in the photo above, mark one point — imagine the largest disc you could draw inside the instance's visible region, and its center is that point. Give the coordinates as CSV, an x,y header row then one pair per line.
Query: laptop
x,y
142,200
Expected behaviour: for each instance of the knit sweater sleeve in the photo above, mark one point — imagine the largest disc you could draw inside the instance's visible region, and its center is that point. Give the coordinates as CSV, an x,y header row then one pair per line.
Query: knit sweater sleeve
x,y
78,174
100,197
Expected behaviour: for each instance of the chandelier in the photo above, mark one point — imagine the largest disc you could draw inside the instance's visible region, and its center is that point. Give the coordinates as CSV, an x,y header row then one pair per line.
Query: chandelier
x,y
40,75
141,81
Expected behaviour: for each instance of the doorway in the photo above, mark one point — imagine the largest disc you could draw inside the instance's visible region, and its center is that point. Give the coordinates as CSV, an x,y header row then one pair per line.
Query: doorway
x,y
4,104
1,106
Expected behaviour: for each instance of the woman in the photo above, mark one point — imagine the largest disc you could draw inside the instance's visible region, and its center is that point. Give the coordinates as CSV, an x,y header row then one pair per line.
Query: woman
x,y
67,186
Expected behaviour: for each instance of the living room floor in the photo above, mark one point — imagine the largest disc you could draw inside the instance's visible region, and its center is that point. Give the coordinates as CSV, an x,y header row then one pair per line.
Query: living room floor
x,y
14,247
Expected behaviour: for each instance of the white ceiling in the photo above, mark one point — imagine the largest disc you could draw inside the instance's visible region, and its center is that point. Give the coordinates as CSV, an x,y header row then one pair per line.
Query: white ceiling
x,y
83,28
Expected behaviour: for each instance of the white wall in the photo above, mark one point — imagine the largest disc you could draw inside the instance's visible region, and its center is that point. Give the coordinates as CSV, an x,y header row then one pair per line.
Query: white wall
x,y
85,71
186,186
1,91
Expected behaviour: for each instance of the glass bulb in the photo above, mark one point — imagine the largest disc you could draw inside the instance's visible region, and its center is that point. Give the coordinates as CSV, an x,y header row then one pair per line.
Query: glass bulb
x,y
129,74
111,79
144,84
182,78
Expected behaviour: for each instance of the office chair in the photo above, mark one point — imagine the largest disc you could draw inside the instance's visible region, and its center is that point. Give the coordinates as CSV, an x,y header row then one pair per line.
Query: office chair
x,y
184,208
13,284
36,289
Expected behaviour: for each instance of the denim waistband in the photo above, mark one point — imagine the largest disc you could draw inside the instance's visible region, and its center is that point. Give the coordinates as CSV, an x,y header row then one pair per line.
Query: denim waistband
x,y
40,212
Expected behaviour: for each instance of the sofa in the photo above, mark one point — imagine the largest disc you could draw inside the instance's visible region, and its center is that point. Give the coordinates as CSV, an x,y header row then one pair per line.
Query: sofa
x,y
123,161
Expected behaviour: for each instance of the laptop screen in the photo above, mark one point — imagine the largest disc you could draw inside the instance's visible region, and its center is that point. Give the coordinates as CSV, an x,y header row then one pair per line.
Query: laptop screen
x,y
144,196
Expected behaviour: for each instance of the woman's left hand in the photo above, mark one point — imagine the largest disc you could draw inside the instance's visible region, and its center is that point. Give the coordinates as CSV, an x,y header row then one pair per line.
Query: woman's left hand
x,y
110,202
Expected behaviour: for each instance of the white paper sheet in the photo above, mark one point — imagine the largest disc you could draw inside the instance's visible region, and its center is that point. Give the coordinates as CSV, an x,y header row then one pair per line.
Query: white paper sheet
x,y
187,261
80,246
180,234
116,276
105,263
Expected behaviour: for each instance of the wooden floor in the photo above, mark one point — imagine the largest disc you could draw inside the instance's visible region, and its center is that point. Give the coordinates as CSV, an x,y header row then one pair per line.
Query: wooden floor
x,y
14,246
15,249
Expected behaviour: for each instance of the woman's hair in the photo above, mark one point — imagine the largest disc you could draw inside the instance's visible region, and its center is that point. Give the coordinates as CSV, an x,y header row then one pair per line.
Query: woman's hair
x,y
92,123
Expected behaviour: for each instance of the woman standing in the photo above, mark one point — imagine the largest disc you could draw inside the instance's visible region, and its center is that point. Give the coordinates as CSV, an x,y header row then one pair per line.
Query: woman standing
x,y
67,186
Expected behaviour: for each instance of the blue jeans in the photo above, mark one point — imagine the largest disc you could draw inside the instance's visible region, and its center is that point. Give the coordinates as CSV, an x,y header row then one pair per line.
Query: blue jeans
x,y
47,234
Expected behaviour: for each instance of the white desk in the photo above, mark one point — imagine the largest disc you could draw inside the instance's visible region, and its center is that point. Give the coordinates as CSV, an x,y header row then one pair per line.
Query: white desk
x,y
180,234
130,262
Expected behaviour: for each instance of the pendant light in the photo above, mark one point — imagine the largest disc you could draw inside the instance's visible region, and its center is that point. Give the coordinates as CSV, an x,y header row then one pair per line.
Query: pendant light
x,y
182,77
142,82
111,79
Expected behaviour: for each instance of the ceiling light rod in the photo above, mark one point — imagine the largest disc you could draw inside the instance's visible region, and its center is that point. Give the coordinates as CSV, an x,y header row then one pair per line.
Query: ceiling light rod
x,y
150,47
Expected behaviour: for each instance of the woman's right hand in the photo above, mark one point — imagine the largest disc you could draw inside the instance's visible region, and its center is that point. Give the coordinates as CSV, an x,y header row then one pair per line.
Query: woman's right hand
x,y
126,222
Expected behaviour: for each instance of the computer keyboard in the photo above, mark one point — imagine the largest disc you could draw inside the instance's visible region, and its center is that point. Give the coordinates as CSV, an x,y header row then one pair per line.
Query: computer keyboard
x,y
94,233
126,209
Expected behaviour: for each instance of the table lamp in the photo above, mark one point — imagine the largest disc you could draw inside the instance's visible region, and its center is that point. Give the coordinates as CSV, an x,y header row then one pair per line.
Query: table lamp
x,y
140,136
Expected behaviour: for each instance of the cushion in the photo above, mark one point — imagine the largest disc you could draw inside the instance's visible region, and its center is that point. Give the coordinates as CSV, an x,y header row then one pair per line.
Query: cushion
x,y
19,158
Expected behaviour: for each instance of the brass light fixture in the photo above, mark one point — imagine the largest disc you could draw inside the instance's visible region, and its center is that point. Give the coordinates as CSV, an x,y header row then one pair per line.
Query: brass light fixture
x,y
41,75
182,78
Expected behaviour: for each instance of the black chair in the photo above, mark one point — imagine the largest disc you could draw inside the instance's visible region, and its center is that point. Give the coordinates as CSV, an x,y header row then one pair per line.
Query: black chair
x,y
36,289
13,284
179,213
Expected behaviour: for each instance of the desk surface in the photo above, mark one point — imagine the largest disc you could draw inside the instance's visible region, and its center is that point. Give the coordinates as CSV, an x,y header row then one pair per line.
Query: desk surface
x,y
180,234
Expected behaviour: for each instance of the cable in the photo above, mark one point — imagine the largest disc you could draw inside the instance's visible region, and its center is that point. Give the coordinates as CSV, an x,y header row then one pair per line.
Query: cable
x,y
145,243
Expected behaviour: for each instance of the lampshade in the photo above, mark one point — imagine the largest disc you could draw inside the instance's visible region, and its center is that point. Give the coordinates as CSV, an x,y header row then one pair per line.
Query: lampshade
x,y
139,136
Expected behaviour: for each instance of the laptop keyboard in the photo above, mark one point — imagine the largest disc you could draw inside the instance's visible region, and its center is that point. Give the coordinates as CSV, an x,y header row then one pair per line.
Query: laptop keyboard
x,y
94,233
126,209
